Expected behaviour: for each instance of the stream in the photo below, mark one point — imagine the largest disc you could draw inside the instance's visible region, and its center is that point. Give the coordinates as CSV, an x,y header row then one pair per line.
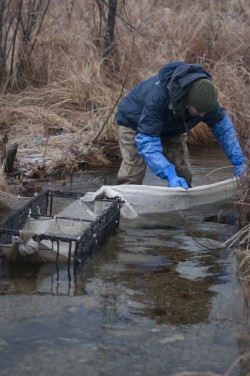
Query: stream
x,y
159,298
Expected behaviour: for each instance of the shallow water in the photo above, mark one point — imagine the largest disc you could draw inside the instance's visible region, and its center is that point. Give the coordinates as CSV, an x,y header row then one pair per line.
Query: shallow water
x,y
159,298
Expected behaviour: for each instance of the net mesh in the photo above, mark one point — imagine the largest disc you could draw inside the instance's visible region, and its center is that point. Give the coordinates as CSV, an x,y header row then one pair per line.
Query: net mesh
x,y
139,199
68,223
78,226
10,201
58,226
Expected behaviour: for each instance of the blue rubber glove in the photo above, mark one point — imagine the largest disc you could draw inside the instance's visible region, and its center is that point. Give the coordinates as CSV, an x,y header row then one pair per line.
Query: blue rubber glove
x,y
225,134
240,170
150,149
173,179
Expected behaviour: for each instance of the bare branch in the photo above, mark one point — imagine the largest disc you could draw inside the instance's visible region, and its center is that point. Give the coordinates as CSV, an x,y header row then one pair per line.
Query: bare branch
x,y
120,95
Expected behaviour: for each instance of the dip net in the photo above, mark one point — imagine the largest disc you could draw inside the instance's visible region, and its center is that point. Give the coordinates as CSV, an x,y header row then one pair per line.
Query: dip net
x,y
141,199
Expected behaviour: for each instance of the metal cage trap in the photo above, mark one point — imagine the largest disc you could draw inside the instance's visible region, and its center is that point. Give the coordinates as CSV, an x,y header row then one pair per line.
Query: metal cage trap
x,y
58,226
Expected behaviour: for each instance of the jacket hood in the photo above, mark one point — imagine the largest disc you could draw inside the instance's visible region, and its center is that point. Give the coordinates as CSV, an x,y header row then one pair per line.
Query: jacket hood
x,y
176,79
167,71
176,76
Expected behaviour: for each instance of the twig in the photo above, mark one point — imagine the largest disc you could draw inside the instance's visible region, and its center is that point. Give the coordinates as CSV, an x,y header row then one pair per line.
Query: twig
x,y
45,149
242,358
215,170
121,93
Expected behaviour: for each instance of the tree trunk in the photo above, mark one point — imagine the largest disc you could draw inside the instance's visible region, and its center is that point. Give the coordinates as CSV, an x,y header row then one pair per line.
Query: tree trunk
x,y
109,34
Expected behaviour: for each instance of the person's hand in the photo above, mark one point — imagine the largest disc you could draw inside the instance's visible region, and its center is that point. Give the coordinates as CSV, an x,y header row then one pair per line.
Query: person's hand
x,y
240,170
174,181
178,182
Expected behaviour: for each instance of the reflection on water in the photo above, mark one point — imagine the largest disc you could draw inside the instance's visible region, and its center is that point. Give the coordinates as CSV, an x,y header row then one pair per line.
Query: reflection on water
x,y
159,298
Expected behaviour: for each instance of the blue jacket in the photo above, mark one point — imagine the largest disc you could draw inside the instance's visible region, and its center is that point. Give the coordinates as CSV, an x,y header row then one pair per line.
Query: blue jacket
x,y
148,109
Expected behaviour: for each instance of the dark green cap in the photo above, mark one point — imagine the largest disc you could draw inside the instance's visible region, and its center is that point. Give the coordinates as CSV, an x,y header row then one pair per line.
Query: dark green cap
x,y
202,95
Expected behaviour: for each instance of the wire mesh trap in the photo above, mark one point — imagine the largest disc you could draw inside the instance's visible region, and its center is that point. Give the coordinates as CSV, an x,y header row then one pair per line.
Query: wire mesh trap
x,y
58,226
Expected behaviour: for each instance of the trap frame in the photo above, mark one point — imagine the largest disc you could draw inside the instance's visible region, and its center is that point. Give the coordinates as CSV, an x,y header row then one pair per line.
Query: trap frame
x,y
52,206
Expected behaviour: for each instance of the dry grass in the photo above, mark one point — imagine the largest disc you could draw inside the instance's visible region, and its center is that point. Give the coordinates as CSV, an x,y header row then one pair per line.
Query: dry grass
x,y
241,242
4,186
70,92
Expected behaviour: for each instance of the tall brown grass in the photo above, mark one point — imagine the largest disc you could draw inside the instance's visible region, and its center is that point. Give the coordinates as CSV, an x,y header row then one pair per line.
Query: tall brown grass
x,y
70,91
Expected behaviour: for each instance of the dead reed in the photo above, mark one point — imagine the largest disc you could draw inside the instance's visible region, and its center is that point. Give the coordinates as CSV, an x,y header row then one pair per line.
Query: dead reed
x,y
240,241
71,91
4,186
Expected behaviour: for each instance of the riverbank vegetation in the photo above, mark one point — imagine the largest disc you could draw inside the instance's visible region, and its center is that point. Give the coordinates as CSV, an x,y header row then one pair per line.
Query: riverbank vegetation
x,y
66,65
